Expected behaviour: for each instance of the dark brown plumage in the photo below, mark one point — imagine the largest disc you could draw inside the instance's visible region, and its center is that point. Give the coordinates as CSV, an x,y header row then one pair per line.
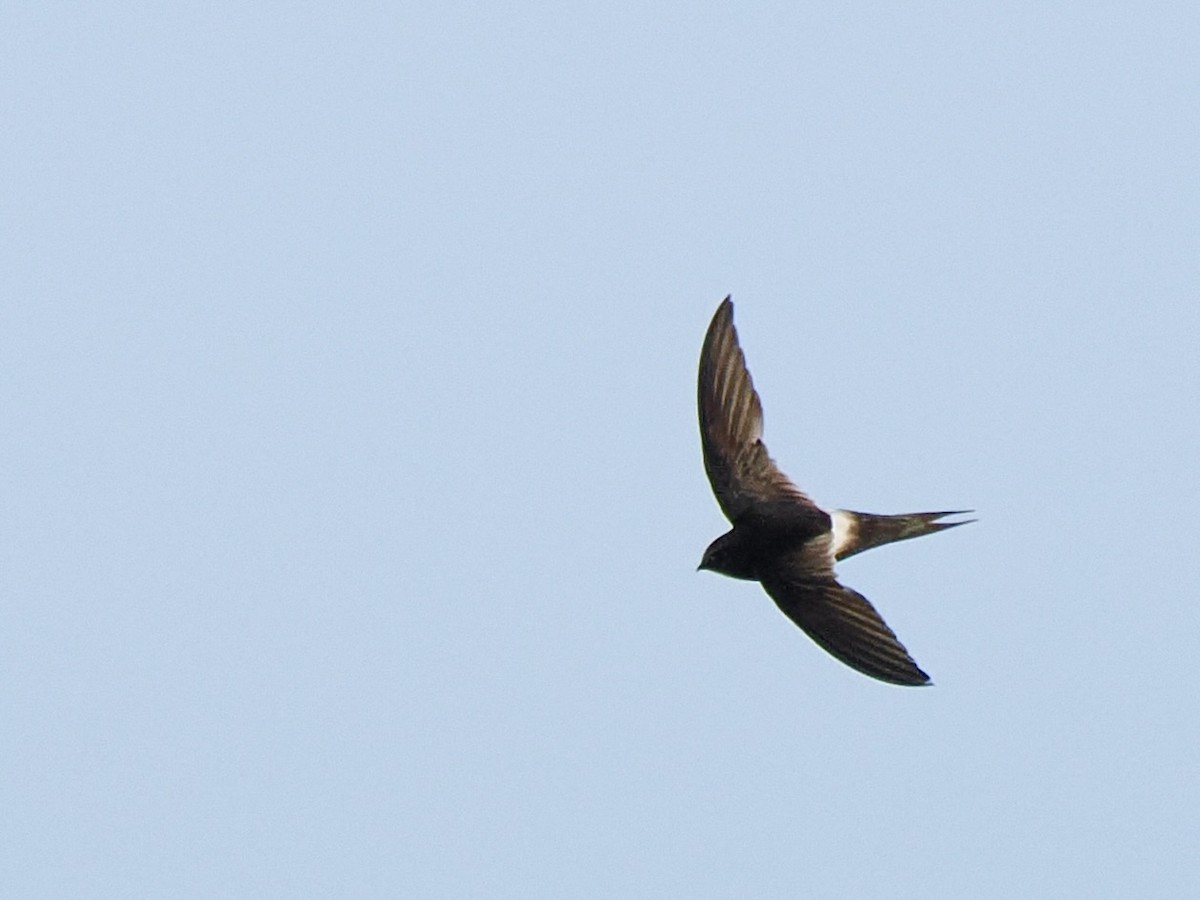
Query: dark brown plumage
x,y
782,539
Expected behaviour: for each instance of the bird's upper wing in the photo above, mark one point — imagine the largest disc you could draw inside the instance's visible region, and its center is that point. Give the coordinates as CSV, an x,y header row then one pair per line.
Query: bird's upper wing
x,y
739,468
841,620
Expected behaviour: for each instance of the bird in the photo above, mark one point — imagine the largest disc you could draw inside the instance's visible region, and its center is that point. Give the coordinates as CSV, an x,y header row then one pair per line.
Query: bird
x,y
782,539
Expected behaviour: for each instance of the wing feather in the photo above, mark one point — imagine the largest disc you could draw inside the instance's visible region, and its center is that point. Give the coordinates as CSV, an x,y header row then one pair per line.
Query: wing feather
x,y
740,470
841,620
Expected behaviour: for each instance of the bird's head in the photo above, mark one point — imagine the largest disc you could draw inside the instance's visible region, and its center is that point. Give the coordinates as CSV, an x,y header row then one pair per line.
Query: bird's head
x,y
709,561
726,556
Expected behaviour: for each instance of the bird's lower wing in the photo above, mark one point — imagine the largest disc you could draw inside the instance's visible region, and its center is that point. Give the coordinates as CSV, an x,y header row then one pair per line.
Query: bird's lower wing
x,y
846,625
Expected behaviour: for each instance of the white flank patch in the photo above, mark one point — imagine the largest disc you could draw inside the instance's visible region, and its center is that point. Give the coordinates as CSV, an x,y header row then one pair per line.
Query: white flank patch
x,y
845,527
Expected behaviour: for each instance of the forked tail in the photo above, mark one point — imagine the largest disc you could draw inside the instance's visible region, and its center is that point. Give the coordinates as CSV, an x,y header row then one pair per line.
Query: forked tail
x,y
855,532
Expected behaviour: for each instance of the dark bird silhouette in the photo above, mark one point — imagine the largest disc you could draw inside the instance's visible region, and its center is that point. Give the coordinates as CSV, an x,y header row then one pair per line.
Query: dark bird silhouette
x,y
782,539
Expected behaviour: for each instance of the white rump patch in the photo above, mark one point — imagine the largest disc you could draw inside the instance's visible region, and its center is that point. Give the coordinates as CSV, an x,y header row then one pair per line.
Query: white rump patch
x,y
845,529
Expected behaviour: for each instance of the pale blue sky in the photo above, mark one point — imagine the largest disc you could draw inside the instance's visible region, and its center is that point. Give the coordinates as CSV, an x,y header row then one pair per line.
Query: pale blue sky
x,y
354,496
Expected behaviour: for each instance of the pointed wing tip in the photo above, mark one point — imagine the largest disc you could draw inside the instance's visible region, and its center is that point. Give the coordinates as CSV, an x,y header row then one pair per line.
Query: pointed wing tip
x,y
915,678
722,321
896,674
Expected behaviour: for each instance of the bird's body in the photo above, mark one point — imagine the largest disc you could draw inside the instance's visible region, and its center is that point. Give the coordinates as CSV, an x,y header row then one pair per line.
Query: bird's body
x,y
757,541
782,539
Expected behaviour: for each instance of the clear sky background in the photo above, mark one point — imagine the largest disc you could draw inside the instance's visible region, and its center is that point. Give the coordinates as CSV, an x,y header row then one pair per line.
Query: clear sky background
x,y
353,495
